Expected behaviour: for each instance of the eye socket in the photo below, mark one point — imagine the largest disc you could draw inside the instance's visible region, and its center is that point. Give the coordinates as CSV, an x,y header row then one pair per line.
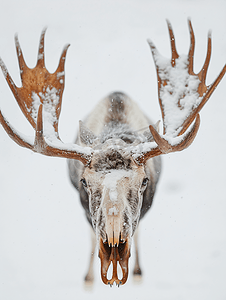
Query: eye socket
x,y
83,181
145,181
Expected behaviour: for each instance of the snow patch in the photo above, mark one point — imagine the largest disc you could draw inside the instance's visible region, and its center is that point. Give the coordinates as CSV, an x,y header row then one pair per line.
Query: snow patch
x,y
60,74
50,100
111,181
113,211
35,106
179,95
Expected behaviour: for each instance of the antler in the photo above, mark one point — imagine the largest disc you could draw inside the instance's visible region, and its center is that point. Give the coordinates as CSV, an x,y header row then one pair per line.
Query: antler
x,y
182,94
40,99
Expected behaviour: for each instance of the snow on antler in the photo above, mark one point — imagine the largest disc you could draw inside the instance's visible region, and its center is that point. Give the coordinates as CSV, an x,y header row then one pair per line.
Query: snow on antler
x,y
182,94
178,91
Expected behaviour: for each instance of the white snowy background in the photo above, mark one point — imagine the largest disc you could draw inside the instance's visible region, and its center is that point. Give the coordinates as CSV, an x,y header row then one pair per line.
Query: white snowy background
x,y
44,236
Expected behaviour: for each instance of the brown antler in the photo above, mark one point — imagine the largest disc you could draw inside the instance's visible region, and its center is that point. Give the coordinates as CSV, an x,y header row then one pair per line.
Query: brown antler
x,y
182,94
40,99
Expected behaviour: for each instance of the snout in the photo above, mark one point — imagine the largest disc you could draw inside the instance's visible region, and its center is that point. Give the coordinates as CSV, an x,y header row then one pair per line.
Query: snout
x,y
116,254
114,245
114,227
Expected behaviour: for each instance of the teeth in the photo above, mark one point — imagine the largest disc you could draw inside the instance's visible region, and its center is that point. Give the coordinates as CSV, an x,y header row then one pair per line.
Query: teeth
x,y
111,241
113,230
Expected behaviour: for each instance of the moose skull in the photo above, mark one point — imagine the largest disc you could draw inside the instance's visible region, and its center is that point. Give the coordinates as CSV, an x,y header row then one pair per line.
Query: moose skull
x,y
115,185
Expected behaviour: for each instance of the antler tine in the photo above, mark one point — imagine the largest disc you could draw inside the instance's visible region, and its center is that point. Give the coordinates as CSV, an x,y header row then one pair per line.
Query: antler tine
x,y
192,48
61,64
15,136
155,52
173,45
60,75
9,80
22,64
41,49
202,74
39,143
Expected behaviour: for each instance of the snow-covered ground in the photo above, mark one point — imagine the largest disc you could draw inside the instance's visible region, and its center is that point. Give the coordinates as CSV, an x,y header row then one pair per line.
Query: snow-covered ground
x,y
44,237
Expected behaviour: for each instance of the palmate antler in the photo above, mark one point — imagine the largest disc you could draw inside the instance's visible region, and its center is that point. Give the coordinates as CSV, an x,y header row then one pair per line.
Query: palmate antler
x,y
182,94
40,99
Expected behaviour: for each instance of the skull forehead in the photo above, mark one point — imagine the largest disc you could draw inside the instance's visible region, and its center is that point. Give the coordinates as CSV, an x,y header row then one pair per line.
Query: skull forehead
x,y
112,159
109,170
